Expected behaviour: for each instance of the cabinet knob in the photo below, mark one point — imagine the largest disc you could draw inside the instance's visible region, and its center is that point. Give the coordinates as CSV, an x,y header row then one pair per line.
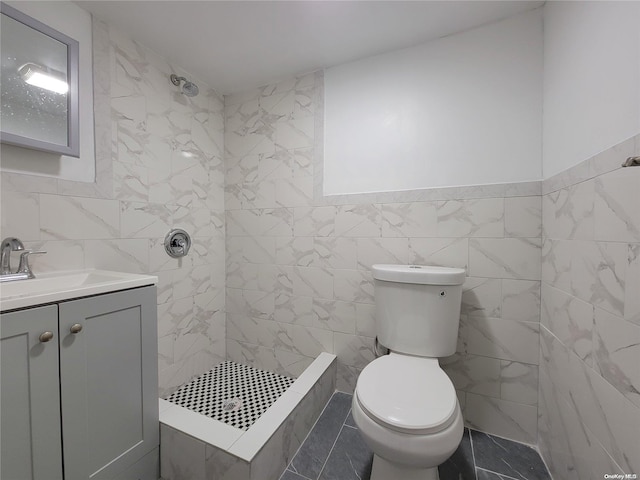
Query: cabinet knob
x,y
45,337
75,328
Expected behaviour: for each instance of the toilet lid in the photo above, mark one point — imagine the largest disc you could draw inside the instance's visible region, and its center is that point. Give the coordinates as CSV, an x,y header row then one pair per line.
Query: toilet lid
x,y
407,394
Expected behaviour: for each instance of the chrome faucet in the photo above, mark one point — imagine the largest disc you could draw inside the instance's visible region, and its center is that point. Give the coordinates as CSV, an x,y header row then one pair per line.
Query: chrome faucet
x,y
12,244
9,244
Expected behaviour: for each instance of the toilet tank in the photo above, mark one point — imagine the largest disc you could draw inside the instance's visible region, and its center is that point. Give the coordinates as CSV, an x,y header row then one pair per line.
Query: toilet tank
x,y
418,308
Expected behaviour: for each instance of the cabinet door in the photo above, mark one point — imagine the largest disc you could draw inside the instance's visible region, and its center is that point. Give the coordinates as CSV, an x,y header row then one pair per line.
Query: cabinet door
x,y
108,382
30,396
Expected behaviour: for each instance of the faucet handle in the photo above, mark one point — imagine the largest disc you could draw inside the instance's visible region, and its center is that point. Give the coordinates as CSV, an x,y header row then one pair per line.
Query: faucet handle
x,y
23,266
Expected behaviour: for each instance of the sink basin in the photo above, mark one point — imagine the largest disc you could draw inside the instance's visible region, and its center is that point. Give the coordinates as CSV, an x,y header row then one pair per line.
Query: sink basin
x,y
54,287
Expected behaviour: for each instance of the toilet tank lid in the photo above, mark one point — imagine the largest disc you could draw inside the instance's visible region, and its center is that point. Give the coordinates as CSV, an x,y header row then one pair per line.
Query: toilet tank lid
x,y
419,274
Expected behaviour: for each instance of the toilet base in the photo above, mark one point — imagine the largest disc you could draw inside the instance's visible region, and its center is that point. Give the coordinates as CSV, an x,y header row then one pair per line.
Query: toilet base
x,y
384,470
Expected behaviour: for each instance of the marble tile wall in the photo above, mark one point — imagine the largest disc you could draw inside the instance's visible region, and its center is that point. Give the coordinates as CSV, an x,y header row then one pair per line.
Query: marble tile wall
x,y
159,166
298,264
589,395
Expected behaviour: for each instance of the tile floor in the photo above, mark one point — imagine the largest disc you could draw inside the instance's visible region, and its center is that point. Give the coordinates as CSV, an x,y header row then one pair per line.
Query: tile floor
x,y
334,450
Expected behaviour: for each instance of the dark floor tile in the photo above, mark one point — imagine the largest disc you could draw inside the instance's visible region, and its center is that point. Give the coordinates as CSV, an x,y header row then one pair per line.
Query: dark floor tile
x,y
460,465
314,451
350,458
486,475
507,457
349,421
289,475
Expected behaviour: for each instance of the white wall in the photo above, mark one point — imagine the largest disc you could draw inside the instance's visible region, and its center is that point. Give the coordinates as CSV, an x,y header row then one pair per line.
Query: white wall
x,y
461,110
591,79
76,23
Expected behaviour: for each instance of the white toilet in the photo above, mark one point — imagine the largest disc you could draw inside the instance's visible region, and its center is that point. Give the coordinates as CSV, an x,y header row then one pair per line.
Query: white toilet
x,y
404,404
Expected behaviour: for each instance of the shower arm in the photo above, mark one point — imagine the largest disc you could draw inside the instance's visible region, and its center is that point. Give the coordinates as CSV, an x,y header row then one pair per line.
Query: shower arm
x,y
175,79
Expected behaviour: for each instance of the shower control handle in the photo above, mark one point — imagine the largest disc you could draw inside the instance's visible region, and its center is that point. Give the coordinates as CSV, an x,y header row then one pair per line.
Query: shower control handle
x,y
177,243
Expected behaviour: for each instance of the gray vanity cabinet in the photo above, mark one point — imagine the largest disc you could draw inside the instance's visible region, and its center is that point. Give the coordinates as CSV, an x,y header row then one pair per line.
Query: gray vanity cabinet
x,y
108,382
105,396
30,440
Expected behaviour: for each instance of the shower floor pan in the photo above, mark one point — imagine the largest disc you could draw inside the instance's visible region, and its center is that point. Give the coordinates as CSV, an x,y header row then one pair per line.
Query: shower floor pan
x,y
240,423
232,393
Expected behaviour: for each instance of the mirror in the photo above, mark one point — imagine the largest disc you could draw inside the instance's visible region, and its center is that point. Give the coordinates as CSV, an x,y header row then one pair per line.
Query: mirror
x,y
39,79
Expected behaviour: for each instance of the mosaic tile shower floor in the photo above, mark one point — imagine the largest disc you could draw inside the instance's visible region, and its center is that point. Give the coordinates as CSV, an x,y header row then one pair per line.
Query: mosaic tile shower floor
x,y
334,450
232,393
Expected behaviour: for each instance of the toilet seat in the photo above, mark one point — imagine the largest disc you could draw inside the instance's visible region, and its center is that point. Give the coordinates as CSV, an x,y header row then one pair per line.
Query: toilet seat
x,y
407,394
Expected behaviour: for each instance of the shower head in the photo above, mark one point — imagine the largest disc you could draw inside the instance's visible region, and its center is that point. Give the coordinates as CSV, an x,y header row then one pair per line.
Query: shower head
x,y
190,89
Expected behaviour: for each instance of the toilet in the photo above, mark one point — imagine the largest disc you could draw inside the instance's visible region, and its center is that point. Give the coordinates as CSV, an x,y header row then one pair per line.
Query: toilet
x,y
404,404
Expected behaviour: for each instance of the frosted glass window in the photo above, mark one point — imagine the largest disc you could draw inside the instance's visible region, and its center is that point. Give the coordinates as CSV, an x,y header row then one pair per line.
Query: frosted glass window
x,y
39,90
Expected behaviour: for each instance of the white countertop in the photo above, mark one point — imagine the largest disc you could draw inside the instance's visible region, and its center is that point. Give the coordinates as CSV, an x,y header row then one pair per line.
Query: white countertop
x,y
58,286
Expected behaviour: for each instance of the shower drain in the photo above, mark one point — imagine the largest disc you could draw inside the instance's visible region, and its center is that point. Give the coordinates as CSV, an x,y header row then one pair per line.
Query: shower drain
x,y
232,405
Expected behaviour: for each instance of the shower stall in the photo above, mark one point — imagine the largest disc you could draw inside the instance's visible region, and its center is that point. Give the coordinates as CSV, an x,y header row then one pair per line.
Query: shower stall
x,y
236,421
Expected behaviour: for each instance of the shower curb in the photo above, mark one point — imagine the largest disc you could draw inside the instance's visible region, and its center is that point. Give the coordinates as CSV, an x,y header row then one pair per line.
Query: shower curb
x,y
196,447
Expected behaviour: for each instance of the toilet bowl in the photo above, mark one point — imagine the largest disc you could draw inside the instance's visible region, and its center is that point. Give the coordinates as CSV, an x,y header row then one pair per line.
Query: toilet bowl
x,y
404,404
408,413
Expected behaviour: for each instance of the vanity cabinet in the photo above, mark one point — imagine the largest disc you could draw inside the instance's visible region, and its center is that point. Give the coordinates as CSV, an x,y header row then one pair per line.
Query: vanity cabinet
x,y
83,404
30,441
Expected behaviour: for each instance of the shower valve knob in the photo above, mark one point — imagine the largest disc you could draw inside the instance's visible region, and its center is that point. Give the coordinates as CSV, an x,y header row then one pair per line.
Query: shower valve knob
x,y
177,243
